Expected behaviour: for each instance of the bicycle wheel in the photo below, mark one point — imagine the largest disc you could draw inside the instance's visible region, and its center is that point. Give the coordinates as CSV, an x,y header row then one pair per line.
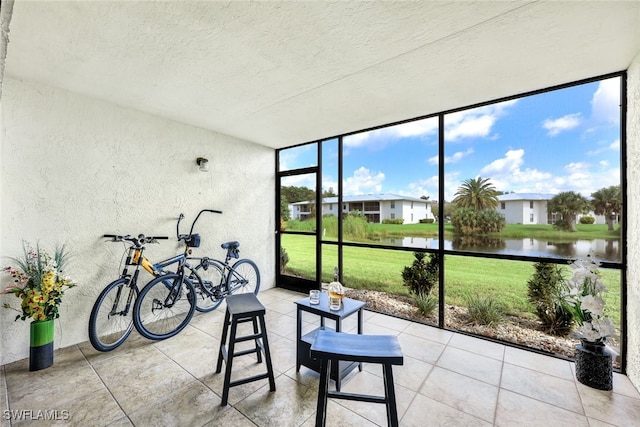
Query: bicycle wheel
x,y
207,279
244,277
111,322
164,307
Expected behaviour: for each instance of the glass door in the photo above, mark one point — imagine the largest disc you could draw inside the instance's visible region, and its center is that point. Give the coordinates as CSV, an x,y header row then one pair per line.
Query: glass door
x,y
297,197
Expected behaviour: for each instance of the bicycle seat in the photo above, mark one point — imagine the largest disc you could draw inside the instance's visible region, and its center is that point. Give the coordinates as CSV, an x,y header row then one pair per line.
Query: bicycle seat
x,y
230,245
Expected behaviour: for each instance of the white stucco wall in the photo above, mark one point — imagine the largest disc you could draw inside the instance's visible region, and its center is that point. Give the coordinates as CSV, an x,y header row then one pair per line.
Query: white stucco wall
x,y
633,221
74,168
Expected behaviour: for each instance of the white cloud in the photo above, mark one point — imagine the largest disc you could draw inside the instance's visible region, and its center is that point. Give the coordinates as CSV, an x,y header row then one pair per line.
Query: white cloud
x,y
604,147
307,180
297,157
388,134
430,186
506,173
568,122
454,158
506,165
605,103
580,177
477,122
363,181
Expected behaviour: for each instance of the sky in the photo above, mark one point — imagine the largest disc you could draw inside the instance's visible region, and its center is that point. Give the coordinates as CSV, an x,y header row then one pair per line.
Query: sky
x,y
564,140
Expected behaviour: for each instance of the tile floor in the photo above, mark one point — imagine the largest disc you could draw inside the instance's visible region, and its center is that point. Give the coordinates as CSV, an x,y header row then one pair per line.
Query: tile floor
x,y
447,379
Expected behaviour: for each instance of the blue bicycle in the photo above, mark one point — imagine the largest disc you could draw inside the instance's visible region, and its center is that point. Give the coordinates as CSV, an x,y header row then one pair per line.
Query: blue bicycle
x,y
111,319
167,303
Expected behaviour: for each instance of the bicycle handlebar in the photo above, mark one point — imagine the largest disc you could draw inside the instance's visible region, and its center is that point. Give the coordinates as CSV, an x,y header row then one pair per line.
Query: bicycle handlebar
x,y
198,216
139,241
181,217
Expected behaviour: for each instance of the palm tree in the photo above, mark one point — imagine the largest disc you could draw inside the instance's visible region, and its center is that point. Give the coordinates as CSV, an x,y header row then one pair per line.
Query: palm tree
x,y
477,193
607,202
568,204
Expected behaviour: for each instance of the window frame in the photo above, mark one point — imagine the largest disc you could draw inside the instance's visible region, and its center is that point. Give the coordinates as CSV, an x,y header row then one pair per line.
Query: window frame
x,y
442,251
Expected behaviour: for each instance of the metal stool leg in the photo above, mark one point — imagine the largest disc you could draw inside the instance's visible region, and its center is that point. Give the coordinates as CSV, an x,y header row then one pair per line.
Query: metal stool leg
x,y
223,342
267,354
321,410
390,396
257,342
227,372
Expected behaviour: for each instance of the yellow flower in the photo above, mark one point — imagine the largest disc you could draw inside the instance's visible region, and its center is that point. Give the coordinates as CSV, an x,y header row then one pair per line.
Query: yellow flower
x,y
38,283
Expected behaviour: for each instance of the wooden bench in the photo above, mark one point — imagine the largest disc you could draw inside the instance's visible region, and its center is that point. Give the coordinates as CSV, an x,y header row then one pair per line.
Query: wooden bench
x,y
330,347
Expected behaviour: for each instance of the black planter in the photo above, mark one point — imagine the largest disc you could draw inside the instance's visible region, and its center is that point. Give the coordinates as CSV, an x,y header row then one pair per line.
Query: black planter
x,y
594,365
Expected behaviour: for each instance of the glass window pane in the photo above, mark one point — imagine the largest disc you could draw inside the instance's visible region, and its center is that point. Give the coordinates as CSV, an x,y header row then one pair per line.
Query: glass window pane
x,y
303,156
545,169
499,299
301,253
390,183
371,273
297,202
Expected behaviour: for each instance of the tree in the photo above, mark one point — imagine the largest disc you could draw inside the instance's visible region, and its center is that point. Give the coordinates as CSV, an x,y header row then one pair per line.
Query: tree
x,y
477,193
608,202
285,214
422,275
297,194
568,205
329,193
470,221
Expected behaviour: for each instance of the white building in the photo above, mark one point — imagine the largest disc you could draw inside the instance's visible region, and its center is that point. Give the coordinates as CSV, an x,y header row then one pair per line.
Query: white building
x,y
376,207
524,208
531,208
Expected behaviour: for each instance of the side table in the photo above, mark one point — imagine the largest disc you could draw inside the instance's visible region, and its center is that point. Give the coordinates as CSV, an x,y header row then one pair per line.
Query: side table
x,y
303,342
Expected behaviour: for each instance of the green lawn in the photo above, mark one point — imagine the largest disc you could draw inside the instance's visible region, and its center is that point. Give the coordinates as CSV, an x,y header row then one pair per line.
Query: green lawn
x,y
380,269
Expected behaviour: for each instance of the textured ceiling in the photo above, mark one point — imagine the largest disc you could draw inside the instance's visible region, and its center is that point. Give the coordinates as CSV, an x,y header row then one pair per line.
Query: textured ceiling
x,y
283,73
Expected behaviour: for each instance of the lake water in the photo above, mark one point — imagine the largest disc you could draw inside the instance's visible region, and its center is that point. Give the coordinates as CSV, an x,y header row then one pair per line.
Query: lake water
x,y
606,250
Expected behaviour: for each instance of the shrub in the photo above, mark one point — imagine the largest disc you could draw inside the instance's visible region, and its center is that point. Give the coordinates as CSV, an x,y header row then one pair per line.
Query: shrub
x,y
484,309
426,304
427,221
393,221
284,259
329,225
355,225
545,289
297,225
472,221
587,220
422,275
562,225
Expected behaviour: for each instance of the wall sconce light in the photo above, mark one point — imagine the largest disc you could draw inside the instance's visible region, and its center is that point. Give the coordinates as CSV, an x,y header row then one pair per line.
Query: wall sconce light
x,y
203,164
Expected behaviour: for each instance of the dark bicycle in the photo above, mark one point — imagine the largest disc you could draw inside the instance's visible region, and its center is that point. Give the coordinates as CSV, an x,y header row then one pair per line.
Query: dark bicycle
x,y
111,319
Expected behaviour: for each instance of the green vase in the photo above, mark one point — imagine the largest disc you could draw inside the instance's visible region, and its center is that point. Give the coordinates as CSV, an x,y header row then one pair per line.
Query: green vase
x,y
41,346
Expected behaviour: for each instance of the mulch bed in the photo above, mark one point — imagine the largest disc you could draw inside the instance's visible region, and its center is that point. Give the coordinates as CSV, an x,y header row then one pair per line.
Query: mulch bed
x,y
512,329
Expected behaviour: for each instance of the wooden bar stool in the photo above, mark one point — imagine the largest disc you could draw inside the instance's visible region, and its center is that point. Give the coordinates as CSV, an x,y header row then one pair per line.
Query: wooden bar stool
x,y
330,347
243,308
